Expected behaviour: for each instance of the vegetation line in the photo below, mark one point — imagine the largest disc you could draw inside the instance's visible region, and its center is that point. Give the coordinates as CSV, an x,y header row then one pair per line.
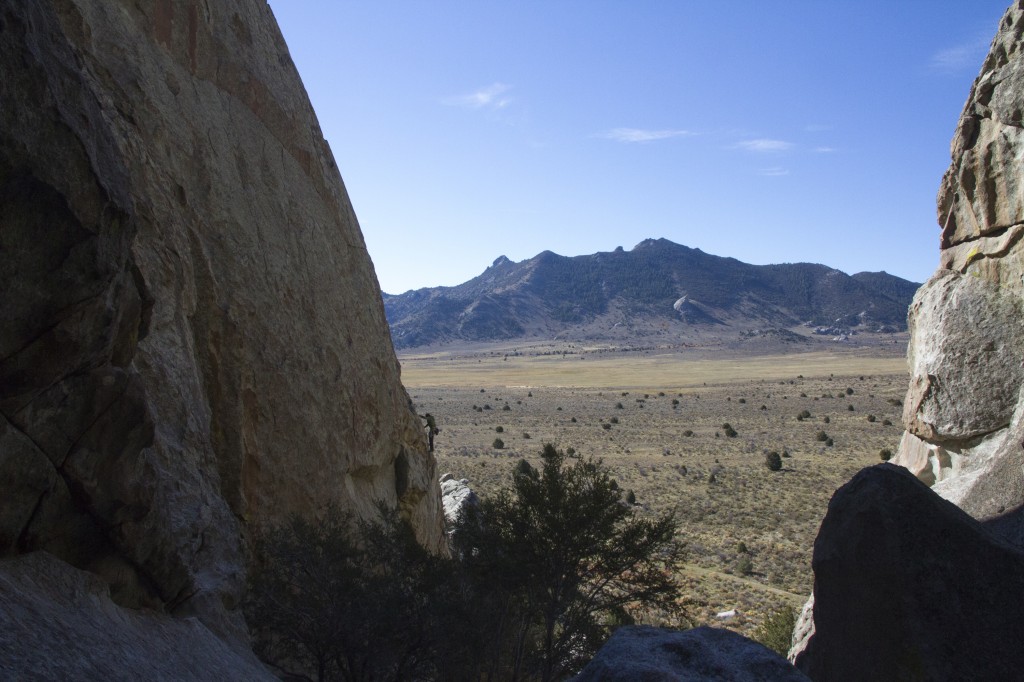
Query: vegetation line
x,y
701,571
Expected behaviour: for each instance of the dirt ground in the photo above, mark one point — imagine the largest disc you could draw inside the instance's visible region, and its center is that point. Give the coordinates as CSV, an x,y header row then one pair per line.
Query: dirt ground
x,y
658,420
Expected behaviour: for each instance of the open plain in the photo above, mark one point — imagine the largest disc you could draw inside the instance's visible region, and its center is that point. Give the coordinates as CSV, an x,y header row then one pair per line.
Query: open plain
x,y
685,429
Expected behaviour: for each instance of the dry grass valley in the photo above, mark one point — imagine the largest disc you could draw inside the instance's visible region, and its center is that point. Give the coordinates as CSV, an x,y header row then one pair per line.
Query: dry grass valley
x,y
682,429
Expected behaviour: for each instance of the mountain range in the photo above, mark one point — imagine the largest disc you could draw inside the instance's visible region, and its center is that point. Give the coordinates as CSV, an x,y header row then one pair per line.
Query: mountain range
x,y
657,288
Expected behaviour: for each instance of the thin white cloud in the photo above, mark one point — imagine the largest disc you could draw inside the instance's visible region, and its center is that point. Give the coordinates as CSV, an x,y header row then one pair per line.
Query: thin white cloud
x,y
764,145
824,150
641,135
490,97
773,172
959,57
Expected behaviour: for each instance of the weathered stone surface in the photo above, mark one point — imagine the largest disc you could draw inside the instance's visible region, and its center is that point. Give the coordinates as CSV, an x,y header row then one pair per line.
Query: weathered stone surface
x,y
967,343
907,586
964,412
194,344
456,496
59,623
648,654
983,191
803,630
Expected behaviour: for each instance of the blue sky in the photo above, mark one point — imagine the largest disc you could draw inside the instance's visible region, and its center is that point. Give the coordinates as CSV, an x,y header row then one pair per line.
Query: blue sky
x,y
772,132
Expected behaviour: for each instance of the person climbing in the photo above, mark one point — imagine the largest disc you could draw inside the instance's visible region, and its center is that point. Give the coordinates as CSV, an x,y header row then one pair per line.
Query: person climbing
x,y
432,429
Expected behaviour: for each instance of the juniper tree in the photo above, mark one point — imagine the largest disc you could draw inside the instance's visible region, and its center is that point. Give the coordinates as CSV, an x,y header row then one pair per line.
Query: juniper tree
x,y
571,559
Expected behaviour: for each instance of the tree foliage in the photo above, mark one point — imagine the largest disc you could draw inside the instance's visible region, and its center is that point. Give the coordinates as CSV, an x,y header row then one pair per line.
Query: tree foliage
x,y
564,560
541,574
776,632
345,600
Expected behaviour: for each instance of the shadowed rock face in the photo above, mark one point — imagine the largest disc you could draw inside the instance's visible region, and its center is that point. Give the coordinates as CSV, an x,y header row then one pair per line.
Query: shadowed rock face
x,y
964,411
193,342
88,637
909,587
644,653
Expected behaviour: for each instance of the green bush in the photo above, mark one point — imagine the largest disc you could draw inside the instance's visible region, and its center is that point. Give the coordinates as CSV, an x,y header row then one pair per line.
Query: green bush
x,y
498,444
499,429
341,599
776,632
821,436
885,454
563,559
773,461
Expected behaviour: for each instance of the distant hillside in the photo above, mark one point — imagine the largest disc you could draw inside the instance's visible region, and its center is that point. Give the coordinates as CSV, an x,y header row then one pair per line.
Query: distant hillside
x,y
657,288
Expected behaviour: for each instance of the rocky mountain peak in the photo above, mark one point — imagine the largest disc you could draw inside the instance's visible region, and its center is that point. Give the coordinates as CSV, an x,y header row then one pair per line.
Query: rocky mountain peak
x,y
605,295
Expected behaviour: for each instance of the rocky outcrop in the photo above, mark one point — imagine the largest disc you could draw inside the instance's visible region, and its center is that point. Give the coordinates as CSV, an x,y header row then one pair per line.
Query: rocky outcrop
x,y
60,624
456,497
964,411
964,419
642,653
194,345
909,587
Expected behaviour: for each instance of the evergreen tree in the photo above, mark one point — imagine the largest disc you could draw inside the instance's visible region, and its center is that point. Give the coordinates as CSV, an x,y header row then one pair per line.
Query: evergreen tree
x,y
565,560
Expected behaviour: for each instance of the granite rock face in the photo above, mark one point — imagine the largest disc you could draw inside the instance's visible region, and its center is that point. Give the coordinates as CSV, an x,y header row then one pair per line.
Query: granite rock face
x,y
60,624
648,654
456,497
194,344
909,587
964,411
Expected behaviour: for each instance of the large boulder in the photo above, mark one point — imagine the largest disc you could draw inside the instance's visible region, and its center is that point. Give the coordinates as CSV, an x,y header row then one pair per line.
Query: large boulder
x,y
964,412
909,587
60,624
649,654
193,343
456,498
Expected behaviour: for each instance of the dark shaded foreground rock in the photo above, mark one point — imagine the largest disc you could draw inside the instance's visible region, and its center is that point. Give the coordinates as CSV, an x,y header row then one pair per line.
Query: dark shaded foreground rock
x,y
909,587
58,623
649,654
